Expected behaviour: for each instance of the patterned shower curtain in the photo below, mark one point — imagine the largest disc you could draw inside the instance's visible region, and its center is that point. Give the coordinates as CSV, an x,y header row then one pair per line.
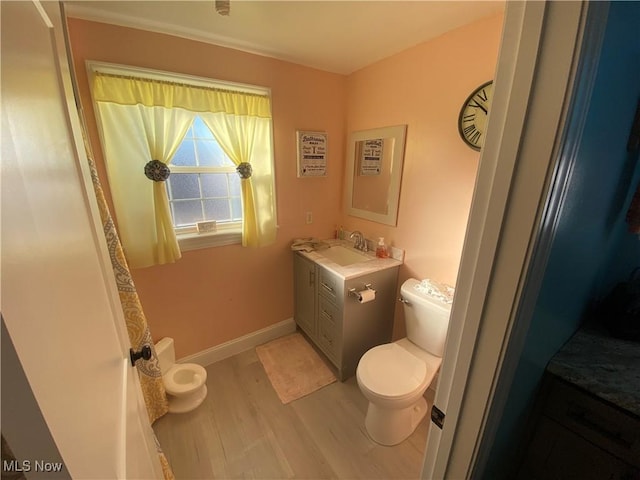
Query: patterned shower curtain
x,y
153,391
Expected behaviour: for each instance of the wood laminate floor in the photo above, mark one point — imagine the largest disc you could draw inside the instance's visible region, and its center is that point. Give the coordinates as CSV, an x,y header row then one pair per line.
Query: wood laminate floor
x,y
242,430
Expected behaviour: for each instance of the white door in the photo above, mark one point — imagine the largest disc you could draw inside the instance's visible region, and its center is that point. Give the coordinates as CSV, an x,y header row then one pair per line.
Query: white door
x,y
536,66
59,300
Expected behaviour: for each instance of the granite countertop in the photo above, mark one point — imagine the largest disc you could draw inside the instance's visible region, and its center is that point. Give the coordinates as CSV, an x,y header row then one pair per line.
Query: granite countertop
x,y
602,365
347,272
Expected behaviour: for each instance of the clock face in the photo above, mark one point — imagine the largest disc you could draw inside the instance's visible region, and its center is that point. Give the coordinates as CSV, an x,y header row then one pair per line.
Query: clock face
x,y
472,121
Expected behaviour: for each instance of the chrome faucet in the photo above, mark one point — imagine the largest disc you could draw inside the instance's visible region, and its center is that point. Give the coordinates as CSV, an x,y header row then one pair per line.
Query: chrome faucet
x,y
360,243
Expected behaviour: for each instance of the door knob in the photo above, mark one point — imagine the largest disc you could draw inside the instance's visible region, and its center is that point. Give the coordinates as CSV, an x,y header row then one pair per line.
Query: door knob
x,y
145,353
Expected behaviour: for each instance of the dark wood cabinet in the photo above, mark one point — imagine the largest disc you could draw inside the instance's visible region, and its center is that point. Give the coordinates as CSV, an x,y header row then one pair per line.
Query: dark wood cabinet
x,y
576,435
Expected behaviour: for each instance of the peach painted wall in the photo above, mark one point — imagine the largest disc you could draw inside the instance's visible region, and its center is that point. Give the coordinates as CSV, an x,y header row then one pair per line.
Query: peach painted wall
x,y
203,299
424,87
214,295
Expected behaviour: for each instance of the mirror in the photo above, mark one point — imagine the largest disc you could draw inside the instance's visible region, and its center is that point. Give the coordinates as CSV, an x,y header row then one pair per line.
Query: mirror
x,y
374,173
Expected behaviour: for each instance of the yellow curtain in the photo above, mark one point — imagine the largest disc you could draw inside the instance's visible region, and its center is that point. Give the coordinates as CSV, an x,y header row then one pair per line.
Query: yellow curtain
x,y
247,139
133,136
241,123
126,90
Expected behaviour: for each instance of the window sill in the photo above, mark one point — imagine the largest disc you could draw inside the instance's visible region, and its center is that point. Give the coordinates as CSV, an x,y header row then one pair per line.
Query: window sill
x,y
197,241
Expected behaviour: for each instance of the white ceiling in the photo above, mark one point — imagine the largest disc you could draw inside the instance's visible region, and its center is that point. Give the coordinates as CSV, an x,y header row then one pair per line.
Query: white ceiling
x,y
336,36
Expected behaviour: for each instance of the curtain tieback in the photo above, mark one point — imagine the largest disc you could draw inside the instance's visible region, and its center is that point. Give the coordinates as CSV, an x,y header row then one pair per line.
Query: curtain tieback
x,y
244,170
157,171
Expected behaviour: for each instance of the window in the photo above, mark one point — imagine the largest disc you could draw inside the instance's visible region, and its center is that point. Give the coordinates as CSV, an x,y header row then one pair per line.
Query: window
x,y
203,184
148,118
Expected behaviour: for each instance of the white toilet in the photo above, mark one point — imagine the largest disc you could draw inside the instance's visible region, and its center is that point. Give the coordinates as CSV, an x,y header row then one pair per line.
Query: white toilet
x,y
185,383
394,376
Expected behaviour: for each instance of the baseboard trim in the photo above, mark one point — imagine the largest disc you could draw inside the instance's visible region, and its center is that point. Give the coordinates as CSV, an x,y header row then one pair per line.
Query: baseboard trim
x,y
241,344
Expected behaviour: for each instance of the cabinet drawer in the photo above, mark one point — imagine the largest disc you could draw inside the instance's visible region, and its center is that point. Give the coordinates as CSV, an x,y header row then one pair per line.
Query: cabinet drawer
x,y
330,286
557,453
596,421
329,322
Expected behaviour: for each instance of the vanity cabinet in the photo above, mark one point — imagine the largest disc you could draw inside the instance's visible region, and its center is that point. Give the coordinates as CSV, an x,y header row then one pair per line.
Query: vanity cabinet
x,y
304,273
577,435
334,320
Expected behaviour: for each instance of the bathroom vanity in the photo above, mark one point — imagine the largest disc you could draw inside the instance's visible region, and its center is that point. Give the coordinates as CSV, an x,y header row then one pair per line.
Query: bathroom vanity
x,y
328,308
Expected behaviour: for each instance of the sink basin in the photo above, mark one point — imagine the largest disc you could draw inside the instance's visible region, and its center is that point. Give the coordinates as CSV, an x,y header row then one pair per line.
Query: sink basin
x,y
343,255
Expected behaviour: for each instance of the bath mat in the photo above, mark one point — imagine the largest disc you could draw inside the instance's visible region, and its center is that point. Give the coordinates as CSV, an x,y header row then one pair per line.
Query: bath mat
x,y
294,368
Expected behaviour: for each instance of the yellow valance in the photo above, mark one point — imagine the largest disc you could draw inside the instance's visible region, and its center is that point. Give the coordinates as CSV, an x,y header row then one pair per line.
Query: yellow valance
x,y
125,90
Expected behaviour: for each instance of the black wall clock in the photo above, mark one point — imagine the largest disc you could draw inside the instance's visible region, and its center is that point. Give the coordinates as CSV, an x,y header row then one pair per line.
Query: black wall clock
x,y
472,121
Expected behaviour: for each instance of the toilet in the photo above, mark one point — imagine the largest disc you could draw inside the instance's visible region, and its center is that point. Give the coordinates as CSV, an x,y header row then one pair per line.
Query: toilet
x,y
185,383
394,376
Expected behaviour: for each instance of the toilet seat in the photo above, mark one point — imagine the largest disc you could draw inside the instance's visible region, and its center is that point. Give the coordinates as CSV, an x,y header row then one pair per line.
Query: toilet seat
x,y
184,378
390,372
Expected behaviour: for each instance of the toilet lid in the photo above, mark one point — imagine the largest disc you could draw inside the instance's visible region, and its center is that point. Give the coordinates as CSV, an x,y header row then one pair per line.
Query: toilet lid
x,y
390,371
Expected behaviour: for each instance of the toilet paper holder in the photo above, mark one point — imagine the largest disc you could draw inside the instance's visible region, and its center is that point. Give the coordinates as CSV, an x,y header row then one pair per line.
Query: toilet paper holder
x,y
354,292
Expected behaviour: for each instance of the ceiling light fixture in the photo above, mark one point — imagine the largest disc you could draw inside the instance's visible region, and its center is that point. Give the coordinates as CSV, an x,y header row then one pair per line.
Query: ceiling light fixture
x,y
223,7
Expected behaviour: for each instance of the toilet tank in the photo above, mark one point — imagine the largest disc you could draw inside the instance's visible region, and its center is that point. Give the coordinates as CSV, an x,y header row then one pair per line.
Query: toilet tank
x,y
166,354
426,318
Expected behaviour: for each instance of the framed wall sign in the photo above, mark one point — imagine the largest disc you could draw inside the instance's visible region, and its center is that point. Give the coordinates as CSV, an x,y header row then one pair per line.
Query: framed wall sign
x,y
371,158
312,154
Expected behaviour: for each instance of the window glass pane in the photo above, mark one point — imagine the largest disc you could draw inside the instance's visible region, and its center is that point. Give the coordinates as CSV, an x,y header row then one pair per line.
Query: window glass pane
x,y
234,184
201,196
184,185
210,154
217,209
200,130
236,208
214,185
187,212
185,155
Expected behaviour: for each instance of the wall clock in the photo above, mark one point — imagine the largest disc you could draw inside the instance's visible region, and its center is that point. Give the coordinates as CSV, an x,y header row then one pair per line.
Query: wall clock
x,y
472,121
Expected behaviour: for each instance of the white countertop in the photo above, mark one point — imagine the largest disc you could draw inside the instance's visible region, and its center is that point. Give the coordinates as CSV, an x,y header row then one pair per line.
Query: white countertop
x,y
355,269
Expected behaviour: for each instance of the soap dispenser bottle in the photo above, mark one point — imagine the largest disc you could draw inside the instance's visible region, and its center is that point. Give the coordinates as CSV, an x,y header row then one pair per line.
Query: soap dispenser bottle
x,y
381,249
